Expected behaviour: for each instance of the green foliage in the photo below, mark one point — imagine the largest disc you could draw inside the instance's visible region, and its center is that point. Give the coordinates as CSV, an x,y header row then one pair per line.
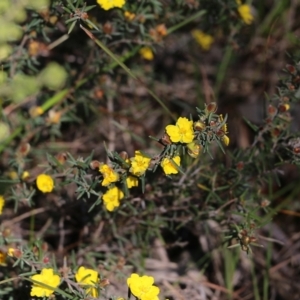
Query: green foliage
x,y
131,160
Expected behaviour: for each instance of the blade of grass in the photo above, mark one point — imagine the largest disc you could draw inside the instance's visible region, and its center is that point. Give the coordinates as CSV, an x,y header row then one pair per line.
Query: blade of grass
x,y
231,259
277,11
222,69
255,281
126,69
16,133
126,56
266,272
186,21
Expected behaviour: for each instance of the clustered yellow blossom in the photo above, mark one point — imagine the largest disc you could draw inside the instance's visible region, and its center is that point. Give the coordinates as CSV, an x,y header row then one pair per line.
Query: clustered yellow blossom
x,y
170,166
112,198
146,53
109,4
245,12
2,202
139,164
88,278
45,183
135,167
142,287
204,40
182,132
44,283
109,175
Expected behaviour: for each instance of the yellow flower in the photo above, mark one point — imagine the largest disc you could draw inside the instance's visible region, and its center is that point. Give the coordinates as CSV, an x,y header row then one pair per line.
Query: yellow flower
x,y
142,287
47,277
129,16
132,181
109,175
88,278
204,40
181,132
36,111
169,166
245,13
25,175
224,127
225,138
112,198
2,202
45,183
2,258
108,4
10,252
139,164
146,53
54,116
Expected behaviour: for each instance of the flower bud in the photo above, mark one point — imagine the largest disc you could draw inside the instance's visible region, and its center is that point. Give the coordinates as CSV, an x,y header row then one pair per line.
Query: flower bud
x,y
6,232
129,16
275,132
225,140
61,157
285,99
124,155
98,93
17,253
296,150
46,260
240,165
265,203
108,28
35,111
194,149
24,149
291,69
54,116
161,29
10,252
104,282
199,125
284,107
165,140
272,110
45,246
25,175
211,107
95,164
